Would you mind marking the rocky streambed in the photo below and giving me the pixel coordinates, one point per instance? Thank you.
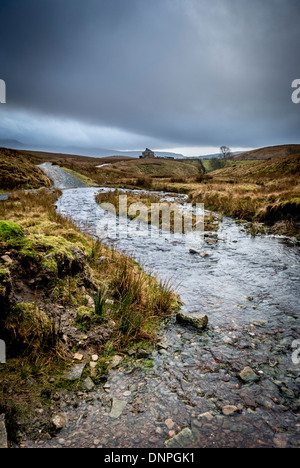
(233, 385)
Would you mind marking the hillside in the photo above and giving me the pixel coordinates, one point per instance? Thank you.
(262, 170)
(270, 152)
(17, 172)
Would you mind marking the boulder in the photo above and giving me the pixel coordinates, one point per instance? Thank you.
(199, 321)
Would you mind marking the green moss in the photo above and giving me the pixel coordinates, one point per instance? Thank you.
(53, 254)
(9, 230)
(149, 364)
(27, 253)
(84, 314)
(109, 349)
(49, 264)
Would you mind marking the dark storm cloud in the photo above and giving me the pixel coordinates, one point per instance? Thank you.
(179, 72)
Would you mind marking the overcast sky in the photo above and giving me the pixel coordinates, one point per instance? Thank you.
(167, 74)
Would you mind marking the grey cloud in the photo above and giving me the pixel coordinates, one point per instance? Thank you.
(183, 72)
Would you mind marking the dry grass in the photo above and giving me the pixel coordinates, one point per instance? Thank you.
(17, 172)
(267, 191)
(141, 301)
(271, 152)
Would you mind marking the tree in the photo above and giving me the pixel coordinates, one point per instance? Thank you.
(225, 152)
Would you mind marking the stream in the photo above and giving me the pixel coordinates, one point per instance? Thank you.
(249, 288)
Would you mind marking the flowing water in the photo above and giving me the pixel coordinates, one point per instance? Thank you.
(249, 288)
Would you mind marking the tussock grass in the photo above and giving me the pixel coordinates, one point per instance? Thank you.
(141, 300)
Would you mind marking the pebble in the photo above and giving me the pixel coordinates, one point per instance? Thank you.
(229, 410)
(280, 441)
(169, 423)
(117, 408)
(78, 357)
(207, 416)
(248, 375)
(116, 360)
(59, 421)
(88, 385)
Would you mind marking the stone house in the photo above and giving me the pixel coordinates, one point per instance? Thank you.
(148, 154)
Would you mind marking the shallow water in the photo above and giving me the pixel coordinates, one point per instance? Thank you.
(249, 288)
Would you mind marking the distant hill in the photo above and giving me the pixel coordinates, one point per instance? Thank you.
(11, 144)
(90, 152)
(270, 152)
